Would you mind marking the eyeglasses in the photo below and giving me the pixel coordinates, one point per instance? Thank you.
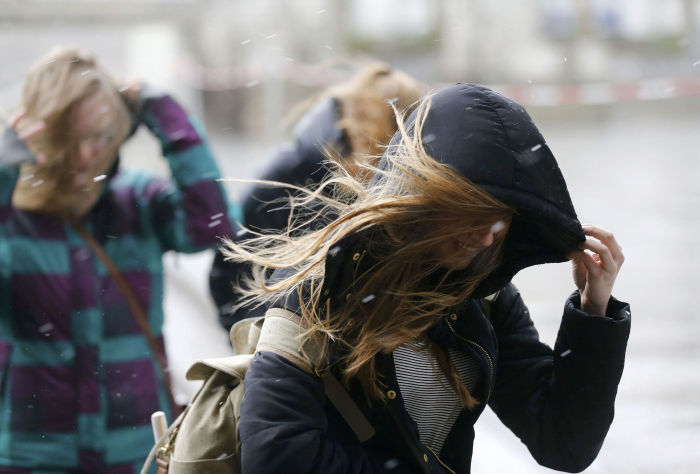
(99, 137)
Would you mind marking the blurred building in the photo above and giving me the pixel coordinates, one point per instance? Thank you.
(242, 64)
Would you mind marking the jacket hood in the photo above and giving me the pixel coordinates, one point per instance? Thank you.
(494, 143)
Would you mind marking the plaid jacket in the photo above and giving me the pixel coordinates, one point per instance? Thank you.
(77, 381)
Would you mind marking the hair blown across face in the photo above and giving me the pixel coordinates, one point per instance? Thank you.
(56, 86)
(413, 204)
(366, 105)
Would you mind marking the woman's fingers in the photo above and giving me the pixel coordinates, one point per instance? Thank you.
(31, 131)
(28, 132)
(131, 91)
(588, 261)
(579, 273)
(602, 266)
(606, 258)
(16, 116)
(608, 239)
(40, 158)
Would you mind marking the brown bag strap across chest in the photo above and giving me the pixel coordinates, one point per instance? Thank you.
(134, 305)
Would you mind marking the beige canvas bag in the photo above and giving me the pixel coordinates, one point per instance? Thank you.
(205, 439)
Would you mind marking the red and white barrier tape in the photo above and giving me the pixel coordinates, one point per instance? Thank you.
(235, 77)
(601, 92)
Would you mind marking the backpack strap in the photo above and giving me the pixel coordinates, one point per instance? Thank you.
(281, 334)
(346, 406)
(487, 301)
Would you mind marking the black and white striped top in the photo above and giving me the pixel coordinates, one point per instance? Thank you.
(429, 400)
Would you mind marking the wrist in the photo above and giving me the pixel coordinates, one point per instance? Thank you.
(593, 309)
(147, 93)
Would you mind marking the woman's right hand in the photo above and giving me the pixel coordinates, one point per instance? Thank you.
(28, 133)
(130, 92)
(595, 272)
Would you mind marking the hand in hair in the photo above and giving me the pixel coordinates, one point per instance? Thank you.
(130, 93)
(595, 273)
(29, 132)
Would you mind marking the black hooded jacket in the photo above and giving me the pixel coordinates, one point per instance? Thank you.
(558, 401)
(299, 163)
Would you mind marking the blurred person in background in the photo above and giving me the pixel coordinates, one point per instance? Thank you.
(343, 126)
(407, 296)
(79, 378)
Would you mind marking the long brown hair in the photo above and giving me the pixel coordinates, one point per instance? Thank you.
(413, 204)
(366, 112)
(54, 88)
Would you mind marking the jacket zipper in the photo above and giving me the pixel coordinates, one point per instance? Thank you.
(396, 418)
(488, 397)
(440, 461)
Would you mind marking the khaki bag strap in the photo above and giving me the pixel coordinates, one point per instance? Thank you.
(487, 301)
(280, 335)
(486, 306)
(133, 303)
(343, 402)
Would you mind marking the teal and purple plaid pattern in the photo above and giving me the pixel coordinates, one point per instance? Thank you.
(77, 381)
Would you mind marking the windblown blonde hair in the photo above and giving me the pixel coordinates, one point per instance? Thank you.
(367, 103)
(54, 88)
(414, 204)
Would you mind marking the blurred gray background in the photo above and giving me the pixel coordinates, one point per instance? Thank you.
(614, 86)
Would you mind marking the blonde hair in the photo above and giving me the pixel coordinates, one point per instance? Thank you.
(367, 103)
(414, 204)
(54, 89)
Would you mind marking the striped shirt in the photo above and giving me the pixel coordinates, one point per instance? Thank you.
(428, 397)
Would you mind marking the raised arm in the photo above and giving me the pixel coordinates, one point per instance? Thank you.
(560, 402)
(190, 212)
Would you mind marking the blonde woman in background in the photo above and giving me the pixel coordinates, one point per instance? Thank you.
(343, 126)
(79, 380)
(408, 294)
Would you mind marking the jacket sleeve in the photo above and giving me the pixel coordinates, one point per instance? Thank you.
(559, 402)
(8, 180)
(190, 212)
(283, 426)
(221, 279)
(12, 153)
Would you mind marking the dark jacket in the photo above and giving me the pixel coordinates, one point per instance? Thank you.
(299, 163)
(558, 402)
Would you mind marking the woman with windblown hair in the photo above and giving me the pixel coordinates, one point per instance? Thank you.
(341, 126)
(408, 293)
(80, 379)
